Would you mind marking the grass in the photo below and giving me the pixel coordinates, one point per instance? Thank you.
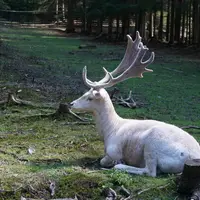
(47, 67)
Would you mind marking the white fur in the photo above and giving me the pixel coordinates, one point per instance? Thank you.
(145, 146)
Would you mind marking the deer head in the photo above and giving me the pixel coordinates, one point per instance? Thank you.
(132, 65)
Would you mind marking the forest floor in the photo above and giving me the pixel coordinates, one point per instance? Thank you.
(49, 157)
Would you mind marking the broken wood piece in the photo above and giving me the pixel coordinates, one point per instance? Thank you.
(190, 178)
(110, 194)
(195, 195)
(128, 102)
(124, 191)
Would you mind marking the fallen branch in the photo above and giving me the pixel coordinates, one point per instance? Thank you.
(128, 102)
(79, 123)
(13, 155)
(126, 193)
(12, 99)
(63, 109)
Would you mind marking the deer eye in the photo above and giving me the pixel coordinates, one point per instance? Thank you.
(90, 99)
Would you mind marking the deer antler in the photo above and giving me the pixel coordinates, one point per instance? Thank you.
(132, 65)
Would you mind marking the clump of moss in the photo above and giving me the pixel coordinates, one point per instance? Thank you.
(84, 186)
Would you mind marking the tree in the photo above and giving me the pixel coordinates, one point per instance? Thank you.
(70, 19)
(195, 22)
(178, 7)
(3, 5)
(172, 22)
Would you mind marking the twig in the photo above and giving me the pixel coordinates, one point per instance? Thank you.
(75, 115)
(147, 189)
(190, 126)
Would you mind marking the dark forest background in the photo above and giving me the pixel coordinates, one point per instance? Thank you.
(170, 21)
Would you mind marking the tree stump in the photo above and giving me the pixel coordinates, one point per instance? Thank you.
(190, 178)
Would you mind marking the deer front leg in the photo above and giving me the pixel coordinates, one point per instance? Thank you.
(113, 156)
(106, 161)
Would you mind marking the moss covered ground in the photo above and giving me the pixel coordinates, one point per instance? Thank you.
(45, 66)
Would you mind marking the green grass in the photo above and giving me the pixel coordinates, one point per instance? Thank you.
(69, 155)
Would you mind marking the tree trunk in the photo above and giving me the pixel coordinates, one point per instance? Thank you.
(187, 25)
(110, 23)
(89, 26)
(84, 27)
(125, 26)
(150, 28)
(57, 10)
(189, 21)
(99, 26)
(183, 27)
(199, 28)
(195, 22)
(154, 27)
(63, 10)
(117, 27)
(172, 22)
(142, 21)
(136, 23)
(168, 21)
(160, 32)
(178, 21)
(70, 20)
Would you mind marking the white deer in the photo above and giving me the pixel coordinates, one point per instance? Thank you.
(135, 146)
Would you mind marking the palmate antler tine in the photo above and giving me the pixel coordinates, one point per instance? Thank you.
(132, 65)
(131, 52)
(87, 82)
(91, 84)
(137, 68)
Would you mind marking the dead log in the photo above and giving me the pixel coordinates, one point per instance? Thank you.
(190, 178)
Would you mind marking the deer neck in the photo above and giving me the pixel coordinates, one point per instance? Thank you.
(106, 118)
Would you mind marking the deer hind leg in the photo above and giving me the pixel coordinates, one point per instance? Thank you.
(149, 169)
(150, 159)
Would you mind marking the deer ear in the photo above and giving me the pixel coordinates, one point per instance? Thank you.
(96, 94)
